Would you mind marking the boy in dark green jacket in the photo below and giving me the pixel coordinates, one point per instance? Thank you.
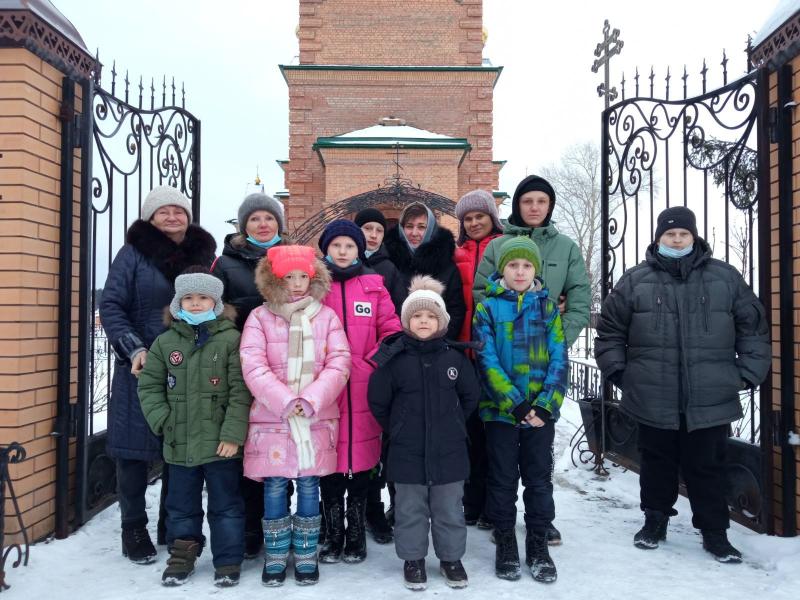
(192, 393)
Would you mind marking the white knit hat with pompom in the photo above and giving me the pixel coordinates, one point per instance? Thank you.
(425, 293)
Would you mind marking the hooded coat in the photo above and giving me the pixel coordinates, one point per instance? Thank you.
(236, 268)
(193, 393)
(140, 284)
(685, 344)
(434, 258)
(563, 267)
(422, 394)
(381, 263)
(270, 450)
(365, 308)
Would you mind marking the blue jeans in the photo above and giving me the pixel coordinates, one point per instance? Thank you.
(275, 497)
(225, 508)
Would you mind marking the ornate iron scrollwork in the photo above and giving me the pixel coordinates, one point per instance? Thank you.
(11, 454)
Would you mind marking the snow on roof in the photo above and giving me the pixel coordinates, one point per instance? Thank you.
(782, 13)
(403, 132)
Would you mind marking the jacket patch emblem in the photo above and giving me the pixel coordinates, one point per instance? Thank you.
(175, 358)
(171, 380)
(362, 309)
(214, 381)
(452, 373)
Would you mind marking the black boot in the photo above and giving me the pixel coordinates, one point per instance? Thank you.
(414, 574)
(323, 529)
(553, 535)
(506, 561)
(716, 542)
(537, 556)
(253, 541)
(355, 548)
(653, 531)
(137, 545)
(377, 524)
(454, 574)
(334, 542)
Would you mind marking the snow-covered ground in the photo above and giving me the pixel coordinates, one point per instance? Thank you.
(597, 560)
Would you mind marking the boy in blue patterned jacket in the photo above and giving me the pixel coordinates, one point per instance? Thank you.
(524, 370)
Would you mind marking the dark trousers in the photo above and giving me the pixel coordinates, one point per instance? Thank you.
(515, 452)
(475, 486)
(132, 478)
(333, 487)
(699, 457)
(225, 508)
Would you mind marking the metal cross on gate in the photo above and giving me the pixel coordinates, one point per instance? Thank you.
(612, 45)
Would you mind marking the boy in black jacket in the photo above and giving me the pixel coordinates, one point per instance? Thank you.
(421, 394)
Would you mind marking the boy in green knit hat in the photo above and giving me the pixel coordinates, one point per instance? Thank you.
(192, 392)
(524, 370)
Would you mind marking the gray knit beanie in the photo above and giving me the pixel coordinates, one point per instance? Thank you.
(479, 200)
(259, 201)
(425, 293)
(164, 195)
(197, 283)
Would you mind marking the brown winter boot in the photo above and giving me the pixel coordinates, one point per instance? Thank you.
(180, 564)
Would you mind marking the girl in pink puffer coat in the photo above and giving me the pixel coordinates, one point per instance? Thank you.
(295, 360)
(362, 302)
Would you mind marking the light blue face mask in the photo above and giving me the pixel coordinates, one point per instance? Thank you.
(268, 244)
(196, 318)
(329, 258)
(674, 252)
(369, 253)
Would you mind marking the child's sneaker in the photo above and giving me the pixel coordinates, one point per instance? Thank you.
(415, 577)
(180, 564)
(453, 572)
(227, 576)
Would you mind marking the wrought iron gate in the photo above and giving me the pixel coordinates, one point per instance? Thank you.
(131, 143)
(704, 152)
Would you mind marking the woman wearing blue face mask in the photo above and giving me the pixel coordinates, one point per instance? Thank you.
(681, 334)
(261, 226)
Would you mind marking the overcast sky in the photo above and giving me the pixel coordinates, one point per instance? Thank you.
(227, 54)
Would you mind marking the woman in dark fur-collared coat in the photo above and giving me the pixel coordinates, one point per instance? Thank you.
(418, 246)
(158, 247)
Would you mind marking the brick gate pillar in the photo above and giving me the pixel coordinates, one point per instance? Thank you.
(38, 48)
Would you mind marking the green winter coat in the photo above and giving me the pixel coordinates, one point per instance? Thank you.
(195, 396)
(563, 272)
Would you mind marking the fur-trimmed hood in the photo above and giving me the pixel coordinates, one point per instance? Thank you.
(274, 291)
(430, 258)
(197, 248)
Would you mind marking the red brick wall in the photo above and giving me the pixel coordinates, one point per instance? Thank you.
(388, 32)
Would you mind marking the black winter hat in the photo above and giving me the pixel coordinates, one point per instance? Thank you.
(343, 227)
(370, 215)
(676, 217)
(532, 183)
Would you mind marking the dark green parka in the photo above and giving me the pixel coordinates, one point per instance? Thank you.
(683, 342)
(192, 391)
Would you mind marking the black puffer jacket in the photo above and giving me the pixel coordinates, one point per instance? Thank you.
(421, 394)
(383, 266)
(434, 258)
(682, 337)
(236, 268)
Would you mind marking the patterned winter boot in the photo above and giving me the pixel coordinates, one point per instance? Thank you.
(305, 535)
(277, 539)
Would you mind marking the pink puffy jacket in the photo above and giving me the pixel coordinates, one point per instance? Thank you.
(269, 450)
(365, 307)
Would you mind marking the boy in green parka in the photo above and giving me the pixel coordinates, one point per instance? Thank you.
(192, 392)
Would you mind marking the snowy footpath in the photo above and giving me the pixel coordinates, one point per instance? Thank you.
(597, 519)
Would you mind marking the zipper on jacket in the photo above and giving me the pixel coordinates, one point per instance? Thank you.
(349, 403)
(704, 308)
(659, 302)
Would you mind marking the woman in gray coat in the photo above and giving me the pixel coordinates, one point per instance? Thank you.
(681, 334)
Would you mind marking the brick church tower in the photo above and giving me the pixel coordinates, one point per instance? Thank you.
(387, 91)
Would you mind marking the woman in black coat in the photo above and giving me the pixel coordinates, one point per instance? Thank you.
(418, 246)
(158, 247)
(261, 226)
